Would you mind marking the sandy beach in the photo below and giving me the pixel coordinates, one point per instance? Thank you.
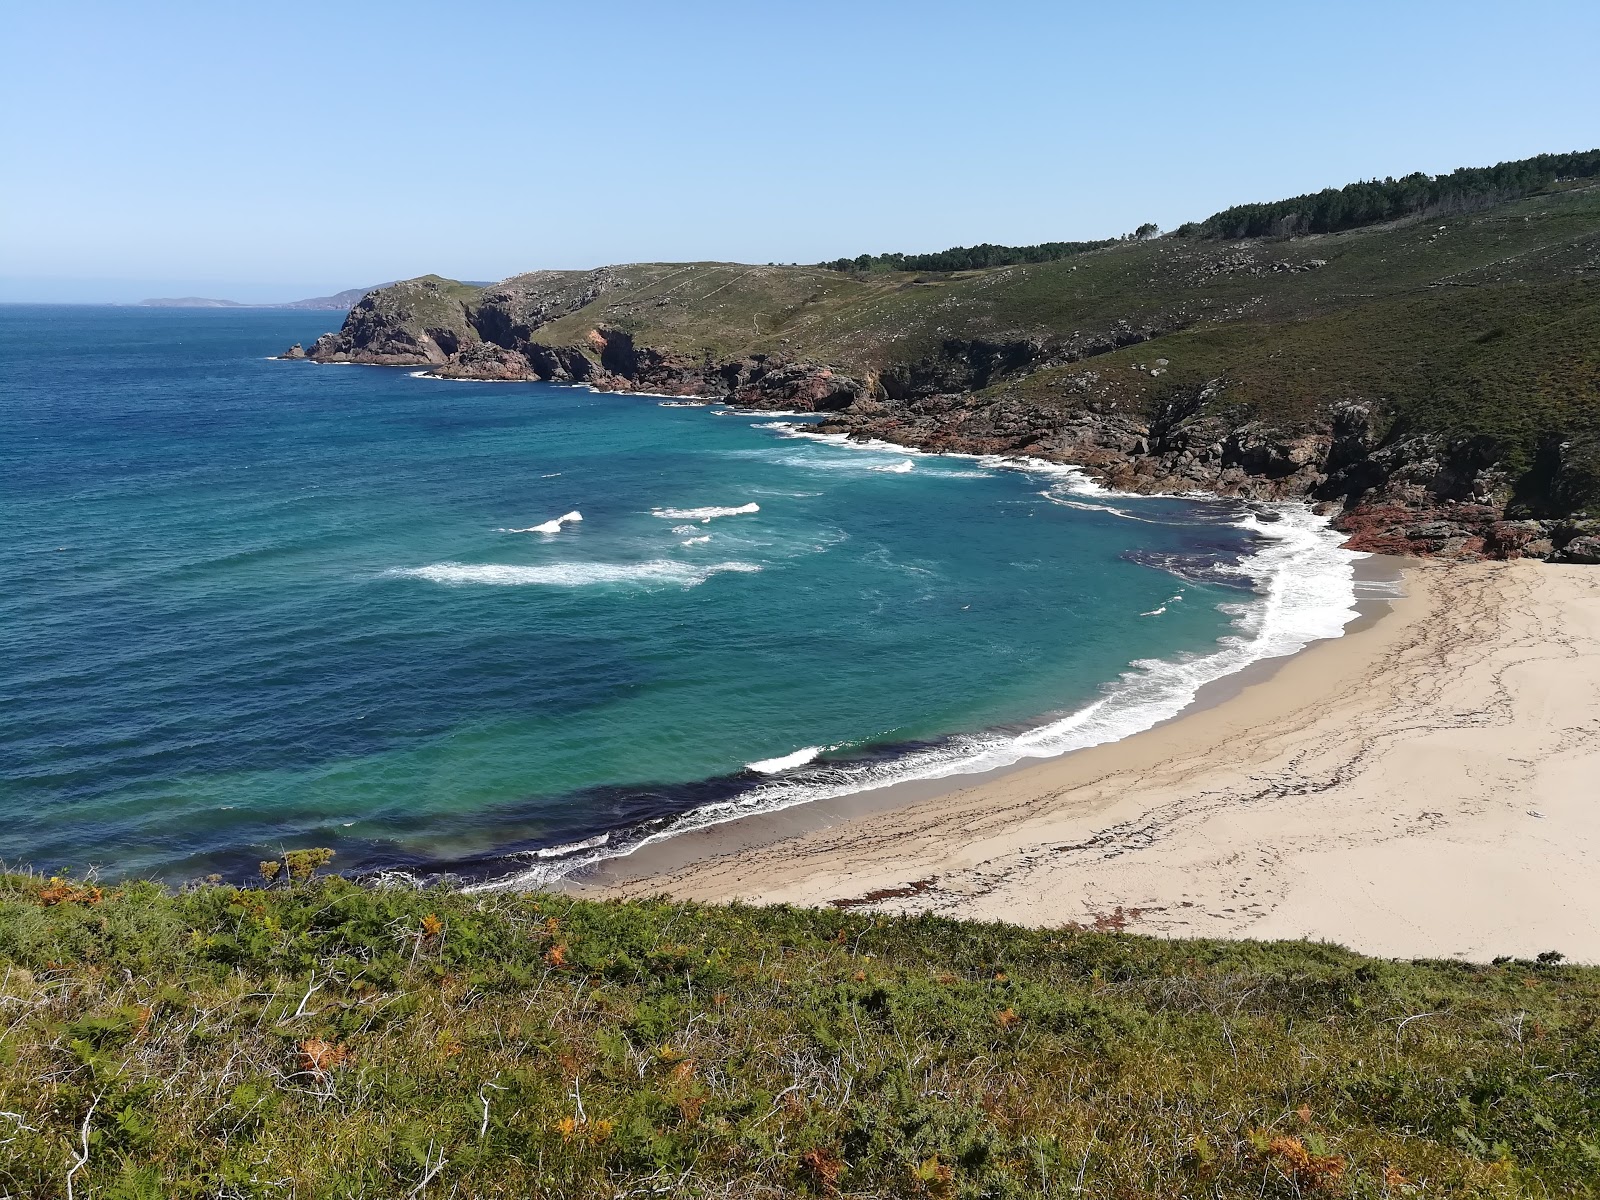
(1425, 786)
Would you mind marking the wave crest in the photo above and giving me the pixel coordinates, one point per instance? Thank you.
(784, 762)
(656, 572)
(551, 526)
(703, 515)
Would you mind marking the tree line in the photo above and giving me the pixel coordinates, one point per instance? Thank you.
(976, 258)
(1373, 201)
(1368, 202)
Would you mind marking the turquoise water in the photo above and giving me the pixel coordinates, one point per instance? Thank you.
(250, 604)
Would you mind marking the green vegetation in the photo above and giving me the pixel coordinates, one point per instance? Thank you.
(317, 1038)
(1373, 201)
(867, 321)
(1332, 210)
(975, 258)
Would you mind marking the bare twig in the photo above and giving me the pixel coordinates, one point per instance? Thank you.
(483, 1129)
(83, 1141)
(22, 1127)
(301, 1011)
(1404, 1021)
(432, 1171)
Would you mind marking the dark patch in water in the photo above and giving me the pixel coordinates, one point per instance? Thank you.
(629, 813)
(1197, 566)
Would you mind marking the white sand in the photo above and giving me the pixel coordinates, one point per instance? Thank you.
(1429, 786)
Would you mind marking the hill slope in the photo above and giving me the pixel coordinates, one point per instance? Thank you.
(330, 1040)
(1439, 381)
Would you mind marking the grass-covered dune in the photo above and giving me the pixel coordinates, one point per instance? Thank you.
(319, 1038)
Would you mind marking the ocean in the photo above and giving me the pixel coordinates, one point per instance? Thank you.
(497, 631)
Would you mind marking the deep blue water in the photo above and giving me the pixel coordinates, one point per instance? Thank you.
(248, 604)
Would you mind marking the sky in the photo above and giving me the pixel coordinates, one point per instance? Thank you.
(275, 151)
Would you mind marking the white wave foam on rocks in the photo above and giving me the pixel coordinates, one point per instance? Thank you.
(1068, 477)
(429, 374)
(572, 574)
(784, 762)
(1304, 586)
(703, 515)
(553, 526)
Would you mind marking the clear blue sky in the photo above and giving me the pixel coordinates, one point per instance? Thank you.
(271, 151)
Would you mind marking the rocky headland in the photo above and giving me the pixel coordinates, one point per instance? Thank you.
(1434, 388)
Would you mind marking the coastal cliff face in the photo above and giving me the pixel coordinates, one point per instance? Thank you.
(1416, 495)
(1436, 389)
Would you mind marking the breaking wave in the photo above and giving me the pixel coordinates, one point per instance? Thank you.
(571, 574)
(785, 762)
(551, 526)
(703, 515)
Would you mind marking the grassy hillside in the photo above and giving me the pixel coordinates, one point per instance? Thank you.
(866, 321)
(322, 1039)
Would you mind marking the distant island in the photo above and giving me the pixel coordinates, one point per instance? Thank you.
(1415, 355)
(339, 301)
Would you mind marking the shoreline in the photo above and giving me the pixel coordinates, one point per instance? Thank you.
(1409, 789)
(758, 830)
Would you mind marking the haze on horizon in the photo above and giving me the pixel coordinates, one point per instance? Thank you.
(272, 154)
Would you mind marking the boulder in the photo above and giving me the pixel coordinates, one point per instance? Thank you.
(484, 360)
(1582, 549)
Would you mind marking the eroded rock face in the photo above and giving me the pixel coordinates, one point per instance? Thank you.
(804, 387)
(294, 351)
(416, 323)
(484, 360)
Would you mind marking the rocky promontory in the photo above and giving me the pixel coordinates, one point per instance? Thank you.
(459, 332)
(1433, 390)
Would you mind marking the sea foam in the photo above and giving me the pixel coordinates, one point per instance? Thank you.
(572, 574)
(551, 526)
(771, 766)
(703, 515)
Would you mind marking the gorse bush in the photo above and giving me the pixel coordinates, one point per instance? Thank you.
(319, 1038)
